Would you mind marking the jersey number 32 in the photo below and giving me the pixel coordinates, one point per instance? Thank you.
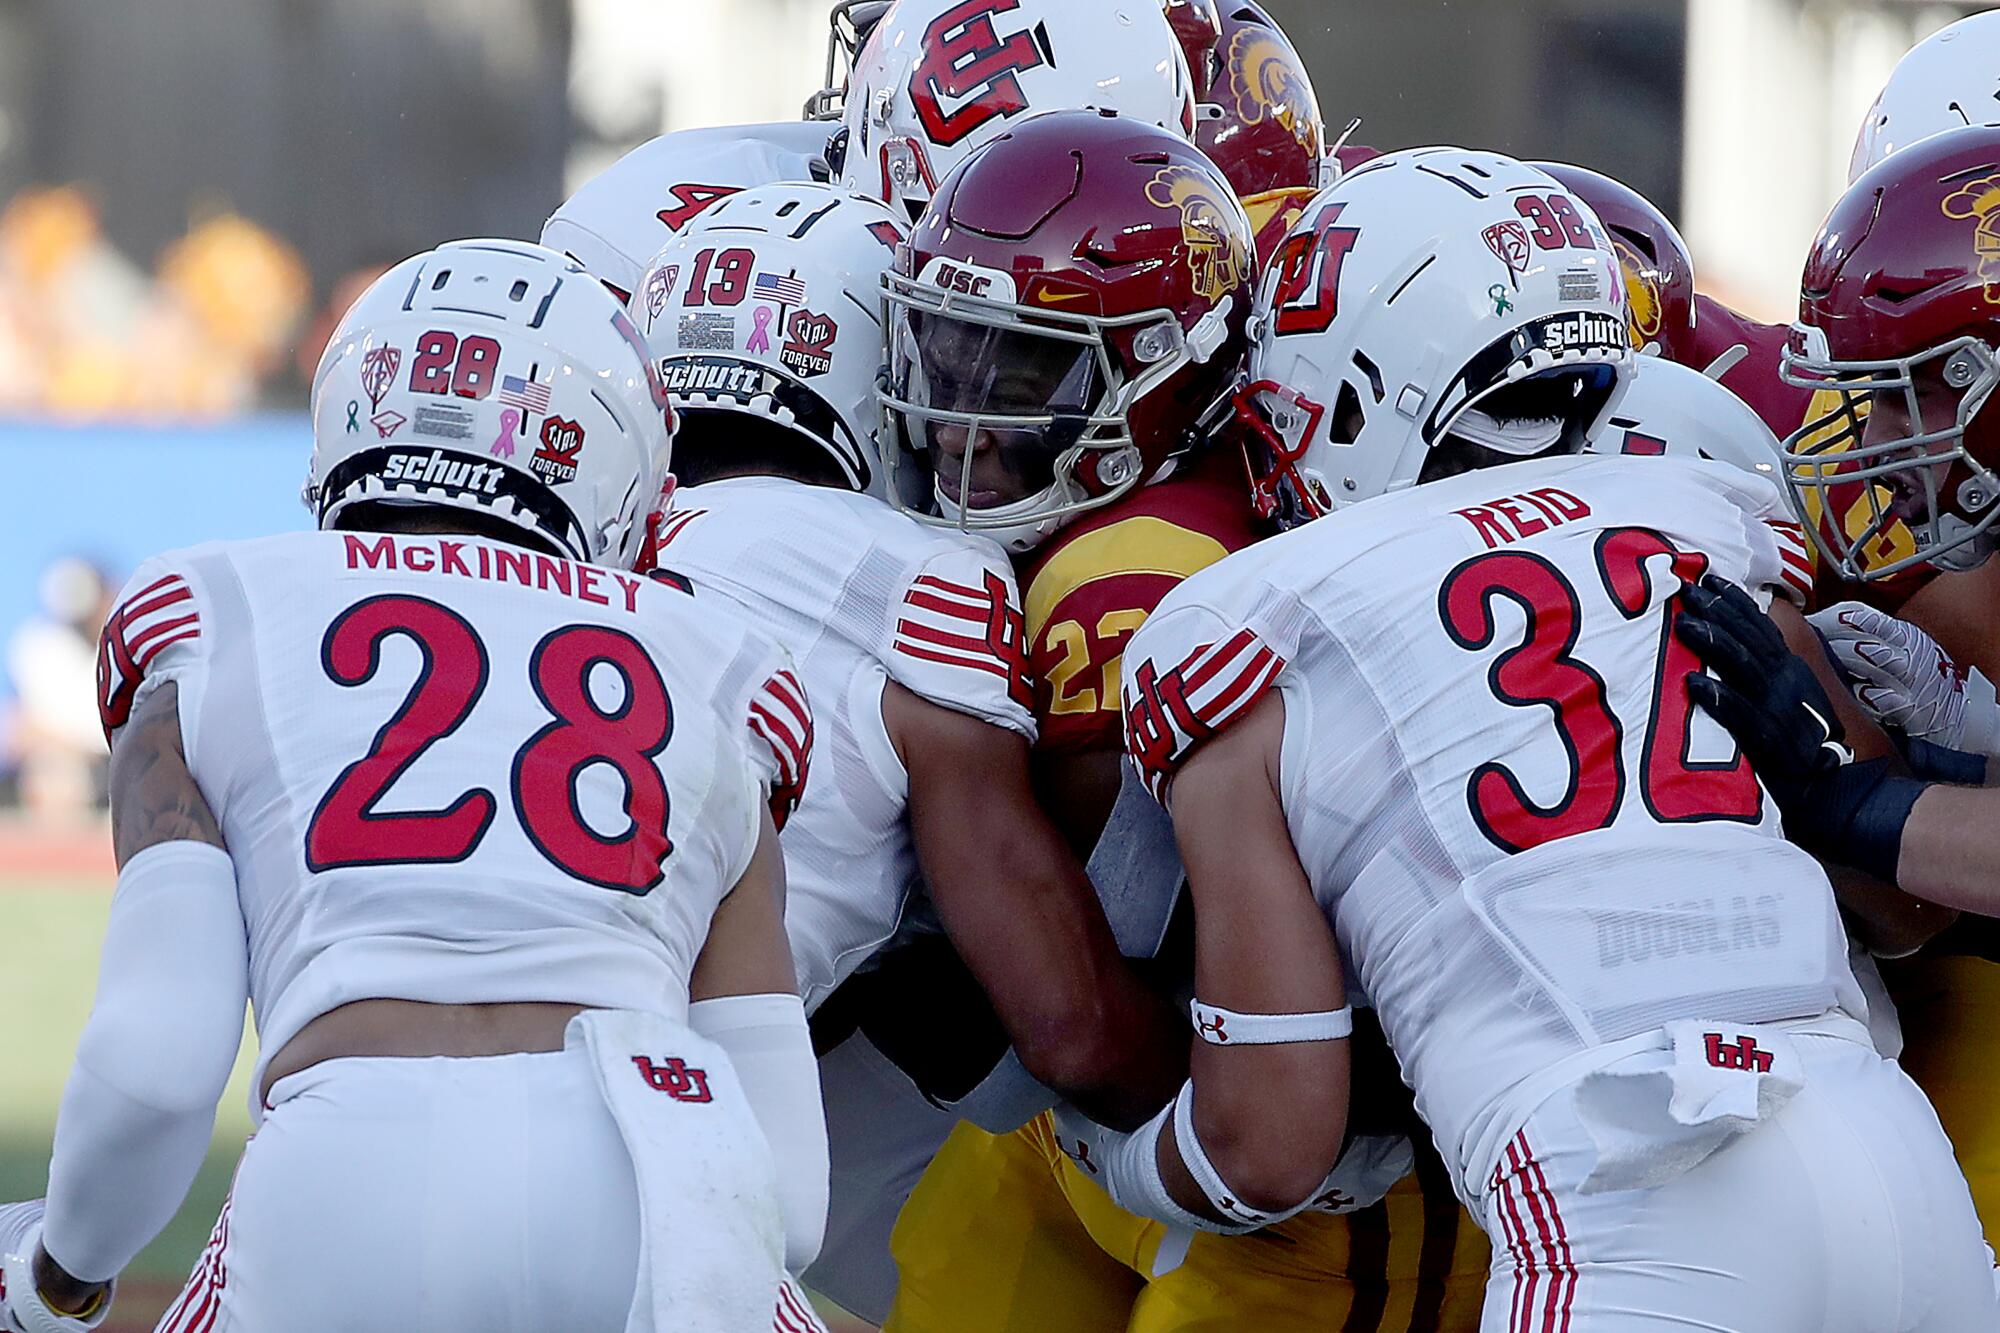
(348, 830)
(1541, 671)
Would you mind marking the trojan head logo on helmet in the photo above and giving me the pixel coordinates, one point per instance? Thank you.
(495, 377)
(938, 79)
(1264, 129)
(1659, 272)
(1949, 80)
(768, 310)
(1899, 315)
(1434, 310)
(1068, 309)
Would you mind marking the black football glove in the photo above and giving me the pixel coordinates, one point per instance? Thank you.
(1769, 699)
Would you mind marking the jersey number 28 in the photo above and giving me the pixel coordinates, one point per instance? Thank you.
(1541, 671)
(348, 830)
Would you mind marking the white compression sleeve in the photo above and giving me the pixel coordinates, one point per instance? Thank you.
(771, 1051)
(153, 1061)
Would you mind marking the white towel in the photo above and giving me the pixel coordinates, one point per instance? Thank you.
(711, 1239)
(1656, 1116)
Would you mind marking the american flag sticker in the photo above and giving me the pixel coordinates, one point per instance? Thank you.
(783, 291)
(524, 394)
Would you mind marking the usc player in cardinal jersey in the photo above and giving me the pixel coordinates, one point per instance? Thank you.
(1049, 388)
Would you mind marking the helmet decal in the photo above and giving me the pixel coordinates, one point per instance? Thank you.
(1645, 304)
(1216, 255)
(1509, 243)
(378, 371)
(967, 64)
(1980, 200)
(1265, 83)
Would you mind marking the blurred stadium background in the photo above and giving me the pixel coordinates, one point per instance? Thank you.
(192, 190)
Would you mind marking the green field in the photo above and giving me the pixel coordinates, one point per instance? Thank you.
(52, 928)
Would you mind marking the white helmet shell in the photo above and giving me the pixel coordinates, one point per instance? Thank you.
(624, 214)
(1677, 411)
(1407, 292)
(771, 305)
(1948, 80)
(938, 79)
(494, 376)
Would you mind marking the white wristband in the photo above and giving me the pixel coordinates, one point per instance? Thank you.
(1980, 731)
(1226, 1027)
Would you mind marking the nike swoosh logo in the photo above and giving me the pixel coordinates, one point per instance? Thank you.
(1050, 298)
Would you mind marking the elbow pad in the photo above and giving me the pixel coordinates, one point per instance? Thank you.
(155, 1055)
(766, 1039)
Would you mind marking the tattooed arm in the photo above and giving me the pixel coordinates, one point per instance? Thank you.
(153, 796)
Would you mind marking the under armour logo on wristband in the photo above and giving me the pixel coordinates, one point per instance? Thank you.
(673, 1077)
(1211, 1029)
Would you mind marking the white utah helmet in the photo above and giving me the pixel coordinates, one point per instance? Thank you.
(1675, 410)
(625, 213)
(937, 79)
(1431, 293)
(770, 306)
(1948, 80)
(498, 377)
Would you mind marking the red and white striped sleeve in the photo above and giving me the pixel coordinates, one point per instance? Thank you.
(1796, 558)
(781, 718)
(1187, 676)
(959, 639)
(153, 635)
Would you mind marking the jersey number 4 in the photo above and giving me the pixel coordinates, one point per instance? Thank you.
(348, 830)
(1540, 671)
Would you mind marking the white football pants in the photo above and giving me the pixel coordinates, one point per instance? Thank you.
(449, 1195)
(1843, 1213)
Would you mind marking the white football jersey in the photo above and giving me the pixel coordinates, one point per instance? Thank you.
(1529, 841)
(622, 216)
(456, 771)
(860, 595)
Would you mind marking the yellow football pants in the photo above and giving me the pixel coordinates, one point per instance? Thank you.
(1950, 1010)
(1007, 1235)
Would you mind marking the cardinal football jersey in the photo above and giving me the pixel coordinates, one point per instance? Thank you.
(1530, 843)
(615, 224)
(861, 595)
(456, 771)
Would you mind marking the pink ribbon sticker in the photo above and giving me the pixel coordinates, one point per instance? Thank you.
(503, 444)
(760, 337)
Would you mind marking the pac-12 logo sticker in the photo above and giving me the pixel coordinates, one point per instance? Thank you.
(378, 371)
(808, 349)
(555, 458)
(1509, 243)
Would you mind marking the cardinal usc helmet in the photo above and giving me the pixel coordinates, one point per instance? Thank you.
(495, 377)
(1949, 80)
(1433, 309)
(1899, 312)
(937, 79)
(766, 315)
(1270, 134)
(1067, 311)
(1198, 27)
(1659, 272)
